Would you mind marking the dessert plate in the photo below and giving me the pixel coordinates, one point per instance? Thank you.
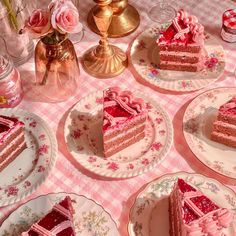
(83, 135)
(149, 215)
(197, 126)
(30, 169)
(144, 58)
(90, 218)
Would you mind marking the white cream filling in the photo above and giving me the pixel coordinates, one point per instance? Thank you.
(122, 126)
(6, 149)
(121, 144)
(125, 133)
(181, 54)
(12, 154)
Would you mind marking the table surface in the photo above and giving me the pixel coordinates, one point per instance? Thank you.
(117, 196)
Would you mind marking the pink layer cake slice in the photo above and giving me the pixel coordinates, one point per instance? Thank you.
(12, 140)
(194, 214)
(224, 128)
(181, 45)
(124, 120)
(58, 222)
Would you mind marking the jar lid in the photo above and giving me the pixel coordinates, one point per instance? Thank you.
(229, 19)
(6, 66)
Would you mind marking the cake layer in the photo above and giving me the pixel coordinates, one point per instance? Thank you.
(179, 67)
(58, 222)
(179, 48)
(177, 58)
(227, 118)
(109, 134)
(224, 128)
(123, 137)
(13, 155)
(124, 145)
(10, 138)
(224, 139)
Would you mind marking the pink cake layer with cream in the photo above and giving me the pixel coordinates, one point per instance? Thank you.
(12, 140)
(194, 214)
(124, 120)
(224, 128)
(58, 222)
(181, 46)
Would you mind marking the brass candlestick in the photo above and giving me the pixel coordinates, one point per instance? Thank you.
(104, 60)
(124, 21)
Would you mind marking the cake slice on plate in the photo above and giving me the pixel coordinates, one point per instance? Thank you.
(181, 45)
(58, 222)
(224, 128)
(192, 213)
(124, 120)
(12, 139)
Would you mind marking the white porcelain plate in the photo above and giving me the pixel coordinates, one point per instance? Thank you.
(83, 135)
(90, 218)
(30, 169)
(149, 215)
(145, 59)
(197, 126)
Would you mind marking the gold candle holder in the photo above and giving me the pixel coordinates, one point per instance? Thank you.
(124, 21)
(104, 60)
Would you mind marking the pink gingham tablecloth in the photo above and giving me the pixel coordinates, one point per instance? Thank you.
(117, 196)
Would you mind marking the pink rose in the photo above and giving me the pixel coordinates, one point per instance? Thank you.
(38, 24)
(65, 17)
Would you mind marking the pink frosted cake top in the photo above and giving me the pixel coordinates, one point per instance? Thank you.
(229, 108)
(120, 106)
(185, 29)
(200, 214)
(7, 125)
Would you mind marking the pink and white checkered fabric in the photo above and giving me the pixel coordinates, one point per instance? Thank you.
(117, 196)
(229, 19)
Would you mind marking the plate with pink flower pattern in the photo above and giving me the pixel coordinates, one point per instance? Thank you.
(90, 218)
(30, 169)
(197, 126)
(145, 59)
(150, 216)
(83, 135)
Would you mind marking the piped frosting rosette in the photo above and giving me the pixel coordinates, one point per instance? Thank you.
(126, 100)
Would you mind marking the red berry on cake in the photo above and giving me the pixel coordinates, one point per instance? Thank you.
(124, 120)
(224, 128)
(181, 45)
(193, 213)
(12, 140)
(59, 221)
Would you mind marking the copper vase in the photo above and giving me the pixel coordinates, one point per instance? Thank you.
(57, 70)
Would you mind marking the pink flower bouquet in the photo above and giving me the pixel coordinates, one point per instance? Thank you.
(61, 17)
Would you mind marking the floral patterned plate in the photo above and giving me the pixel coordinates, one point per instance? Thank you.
(83, 135)
(197, 126)
(90, 218)
(30, 169)
(149, 215)
(144, 57)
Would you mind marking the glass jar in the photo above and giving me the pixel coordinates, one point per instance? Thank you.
(10, 84)
(57, 70)
(12, 17)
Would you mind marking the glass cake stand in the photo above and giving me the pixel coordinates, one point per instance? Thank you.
(162, 12)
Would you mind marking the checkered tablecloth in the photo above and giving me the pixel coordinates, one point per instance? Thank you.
(117, 196)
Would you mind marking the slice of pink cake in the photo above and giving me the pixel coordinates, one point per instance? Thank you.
(58, 222)
(124, 120)
(181, 45)
(224, 128)
(12, 140)
(192, 213)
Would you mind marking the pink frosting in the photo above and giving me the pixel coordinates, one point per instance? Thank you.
(192, 26)
(125, 100)
(210, 223)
